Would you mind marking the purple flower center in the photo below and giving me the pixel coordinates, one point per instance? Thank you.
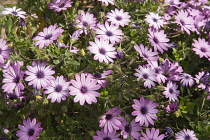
(14, 13)
(171, 90)
(107, 138)
(83, 89)
(97, 75)
(187, 77)
(157, 70)
(182, 22)
(203, 49)
(155, 40)
(40, 74)
(127, 128)
(102, 51)
(118, 18)
(154, 19)
(62, 5)
(58, 88)
(31, 132)
(16, 80)
(143, 110)
(12, 97)
(145, 76)
(108, 33)
(85, 23)
(187, 137)
(0, 50)
(108, 117)
(48, 36)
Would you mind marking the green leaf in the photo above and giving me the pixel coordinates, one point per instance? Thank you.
(9, 25)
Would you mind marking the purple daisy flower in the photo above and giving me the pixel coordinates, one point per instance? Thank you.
(13, 76)
(86, 21)
(201, 78)
(59, 5)
(106, 136)
(171, 92)
(118, 17)
(106, 2)
(84, 89)
(147, 74)
(39, 75)
(202, 48)
(145, 111)
(186, 80)
(48, 35)
(146, 53)
(152, 135)
(104, 52)
(130, 129)
(158, 40)
(100, 77)
(14, 12)
(58, 89)
(29, 130)
(110, 122)
(154, 20)
(109, 32)
(4, 50)
(186, 134)
(171, 107)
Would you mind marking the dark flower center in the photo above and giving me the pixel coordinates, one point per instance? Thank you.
(145, 76)
(31, 132)
(157, 71)
(127, 128)
(0, 51)
(118, 18)
(62, 5)
(107, 138)
(182, 22)
(203, 49)
(108, 117)
(48, 36)
(97, 75)
(108, 33)
(171, 90)
(154, 19)
(143, 110)
(16, 80)
(12, 97)
(83, 89)
(40, 74)
(85, 23)
(58, 88)
(187, 77)
(155, 40)
(187, 137)
(14, 13)
(102, 51)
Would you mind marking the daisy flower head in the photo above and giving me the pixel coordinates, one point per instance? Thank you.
(83, 88)
(145, 111)
(48, 35)
(106, 2)
(39, 75)
(4, 50)
(171, 107)
(104, 52)
(187, 80)
(14, 11)
(130, 129)
(154, 20)
(110, 122)
(201, 48)
(100, 77)
(109, 32)
(58, 89)
(171, 92)
(101, 135)
(158, 40)
(146, 53)
(186, 134)
(118, 17)
(147, 74)
(29, 130)
(152, 135)
(59, 5)
(86, 21)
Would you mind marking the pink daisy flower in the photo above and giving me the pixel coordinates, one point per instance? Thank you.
(171, 107)
(29, 130)
(59, 5)
(84, 89)
(104, 52)
(201, 48)
(106, 2)
(109, 32)
(186, 134)
(100, 77)
(110, 122)
(201, 77)
(58, 89)
(154, 20)
(118, 17)
(171, 92)
(147, 74)
(158, 40)
(145, 111)
(152, 135)
(186, 80)
(14, 12)
(48, 35)
(39, 75)
(4, 50)
(101, 135)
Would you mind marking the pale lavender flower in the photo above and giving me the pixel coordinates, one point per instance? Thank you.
(201, 79)
(186, 80)
(145, 111)
(186, 134)
(171, 107)
(58, 89)
(48, 35)
(201, 48)
(39, 75)
(171, 91)
(118, 17)
(101, 135)
(101, 77)
(4, 50)
(29, 130)
(83, 88)
(110, 122)
(154, 20)
(59, 5)
(109, 32)
(152, 135)
(76, 34)
(106, 2)
(14, 12)
(62, 45)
